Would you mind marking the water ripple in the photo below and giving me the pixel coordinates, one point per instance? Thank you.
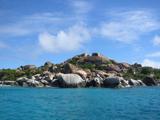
(79, 104)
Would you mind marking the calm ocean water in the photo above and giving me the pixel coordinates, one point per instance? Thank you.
(79, 104)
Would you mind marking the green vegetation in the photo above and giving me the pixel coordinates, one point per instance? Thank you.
(31, 72)
(88, 66)
(141, 72)
(7, 74)
(73, 61)
(109, 62)
(12, 74)
(91, 66)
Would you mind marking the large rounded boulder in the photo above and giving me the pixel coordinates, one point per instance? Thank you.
(149, 81)
(70, 80)
(111, 82)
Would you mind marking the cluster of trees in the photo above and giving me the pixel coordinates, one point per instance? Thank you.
(12, 74)
(141, 72)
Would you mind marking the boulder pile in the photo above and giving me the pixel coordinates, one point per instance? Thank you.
(83, 70)
(72, 80)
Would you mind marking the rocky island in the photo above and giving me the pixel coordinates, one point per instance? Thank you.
(83, 70)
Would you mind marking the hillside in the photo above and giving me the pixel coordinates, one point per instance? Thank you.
(87, 67)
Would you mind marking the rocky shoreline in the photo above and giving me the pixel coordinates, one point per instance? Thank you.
(82, 71)
(75, 81)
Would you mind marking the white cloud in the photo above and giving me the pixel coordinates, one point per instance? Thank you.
(129, 26)
(69, 40)
(155, 54)
(36, 23)
(156, 40)
(123, 26)
(151, 63)
(81, 6)
(43, 25)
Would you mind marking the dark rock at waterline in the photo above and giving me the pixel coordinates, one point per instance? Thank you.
(34, 83)
(25, 82)
(133, 82)
(149, 81)
(111, 82)
(96, 82)
(21, 81)
(55, 83)
(7, 82)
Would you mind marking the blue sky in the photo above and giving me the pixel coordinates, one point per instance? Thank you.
(36, 31)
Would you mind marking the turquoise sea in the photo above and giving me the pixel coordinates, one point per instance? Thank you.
(18, 103)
